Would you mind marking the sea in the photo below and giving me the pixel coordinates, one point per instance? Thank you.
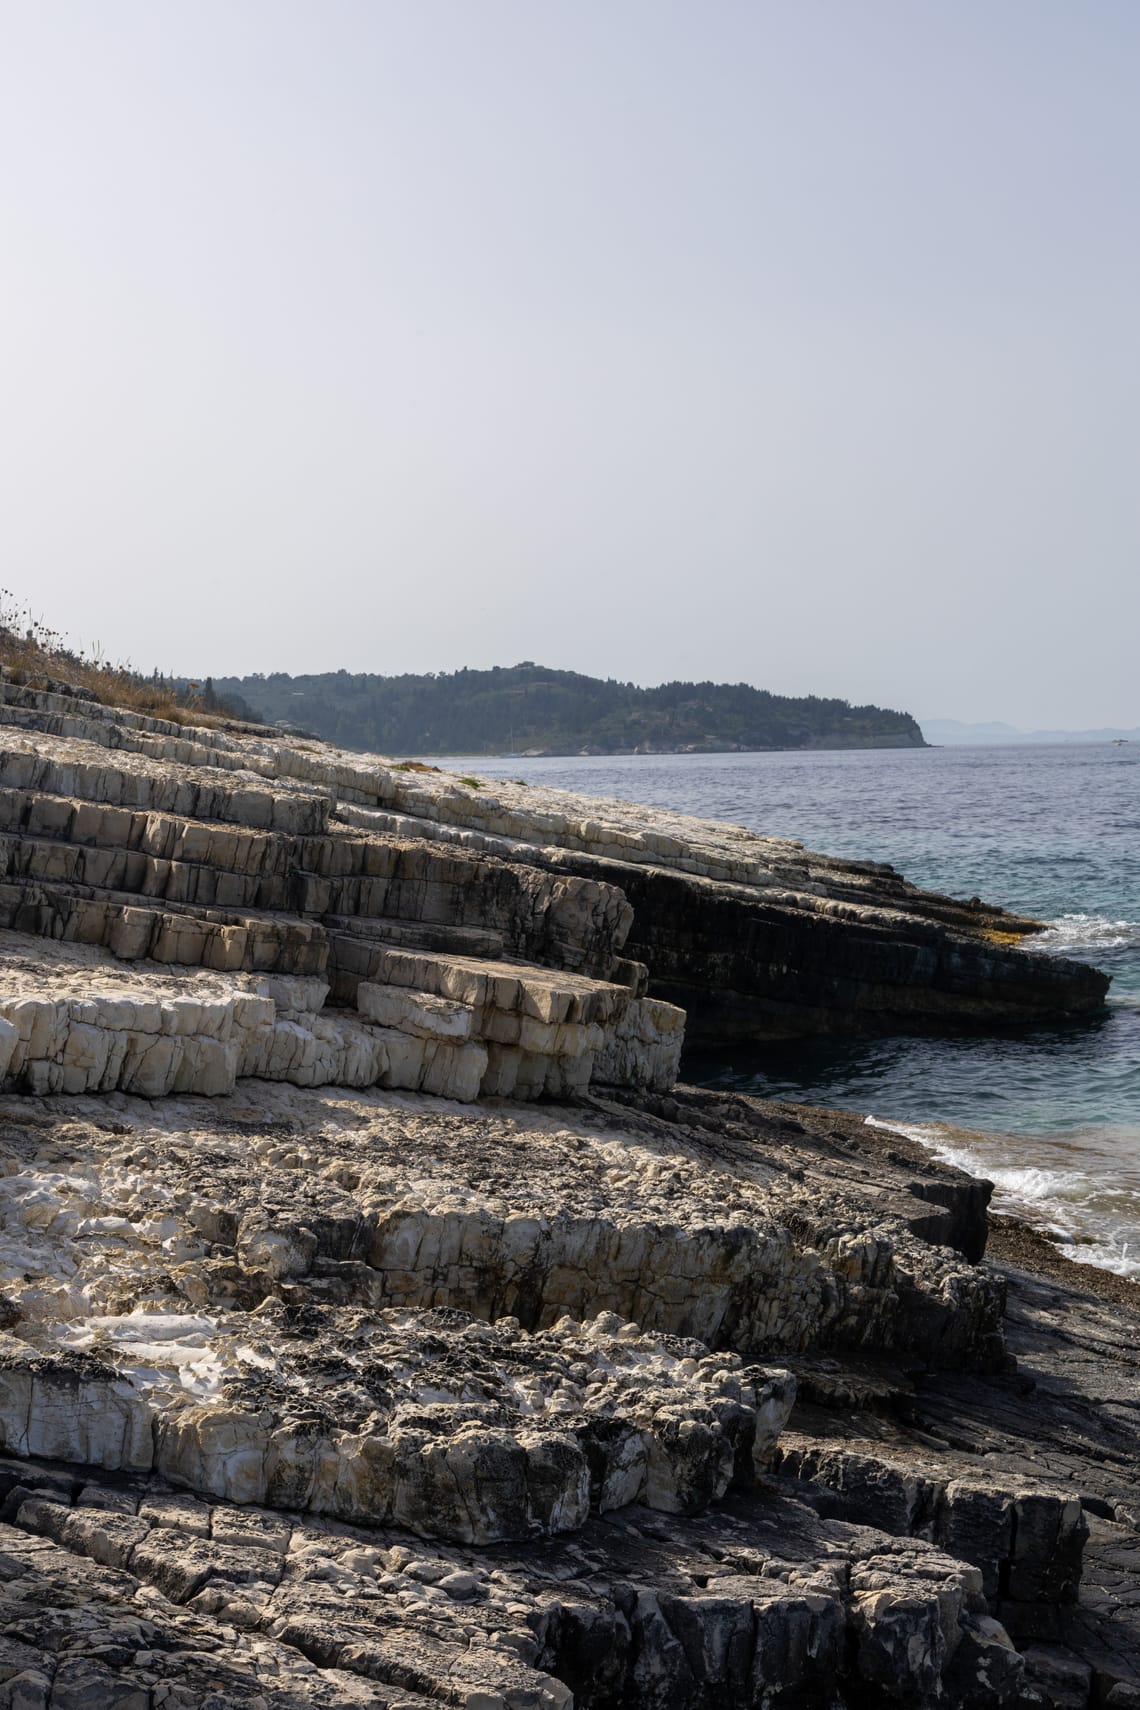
(1051, 1116)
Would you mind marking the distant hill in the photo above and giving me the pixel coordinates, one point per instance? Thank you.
(529, 709)
(952, 733)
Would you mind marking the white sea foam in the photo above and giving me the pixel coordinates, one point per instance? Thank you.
(1084, 932)
(1093, 1221)
(1108, 1255)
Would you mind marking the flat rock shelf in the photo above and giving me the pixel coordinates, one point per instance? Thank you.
(383, 1324)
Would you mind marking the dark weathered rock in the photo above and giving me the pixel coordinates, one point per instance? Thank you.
(845, 948)
(765, 1604)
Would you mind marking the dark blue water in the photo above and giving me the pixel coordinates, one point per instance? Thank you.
(1051, 832)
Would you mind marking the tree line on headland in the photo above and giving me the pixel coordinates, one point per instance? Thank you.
(529, 708)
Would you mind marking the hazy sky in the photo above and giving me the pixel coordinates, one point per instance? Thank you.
(795, 343)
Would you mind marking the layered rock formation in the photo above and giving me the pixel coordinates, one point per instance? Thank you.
(337, 1369)
(235, 849)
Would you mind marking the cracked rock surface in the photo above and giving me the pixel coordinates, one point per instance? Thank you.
(763, 1604)
(252, 1459)
(382, 1324)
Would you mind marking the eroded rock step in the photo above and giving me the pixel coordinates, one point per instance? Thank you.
(786, 874)
(361, 1199)
(763, 1604)
(178, 935)
(1028, 1539)
(77, 1634)
(82, 771)
(78, 1023)
(748, 967)
(72, 1020)
(186, 857)
(943, 1453)
(435, 1421)
(229, 746)
(307, 765)
(568, 1031)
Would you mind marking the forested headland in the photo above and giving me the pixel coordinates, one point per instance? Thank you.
(529, 708)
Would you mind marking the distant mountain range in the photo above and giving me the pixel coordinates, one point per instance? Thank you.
(531, 709)
(952, 733)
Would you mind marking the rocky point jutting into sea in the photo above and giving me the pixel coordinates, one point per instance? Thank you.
(383, 1324)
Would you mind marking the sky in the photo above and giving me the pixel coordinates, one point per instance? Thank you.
(789, 343)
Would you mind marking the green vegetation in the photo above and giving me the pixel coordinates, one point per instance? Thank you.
(527, 708)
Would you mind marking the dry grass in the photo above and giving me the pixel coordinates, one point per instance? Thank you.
(43, 658)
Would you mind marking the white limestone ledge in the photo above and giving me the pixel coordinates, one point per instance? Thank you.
(74, 1020)
(567, 1029)
(500, 817)
(60, 851)
(82, 770)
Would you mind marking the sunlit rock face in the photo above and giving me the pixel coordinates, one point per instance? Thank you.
(434, 1421)
(386, 1201)
(72, 1019)
(381, 1324)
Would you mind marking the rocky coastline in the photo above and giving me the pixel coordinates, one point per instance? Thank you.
(384, 1322)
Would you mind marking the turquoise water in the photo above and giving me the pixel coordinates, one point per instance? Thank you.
(1052, 1116)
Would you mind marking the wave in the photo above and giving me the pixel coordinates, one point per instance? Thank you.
(1029, 1183)
(1085, 932)
(1092, 1224)
(1110, 1254)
